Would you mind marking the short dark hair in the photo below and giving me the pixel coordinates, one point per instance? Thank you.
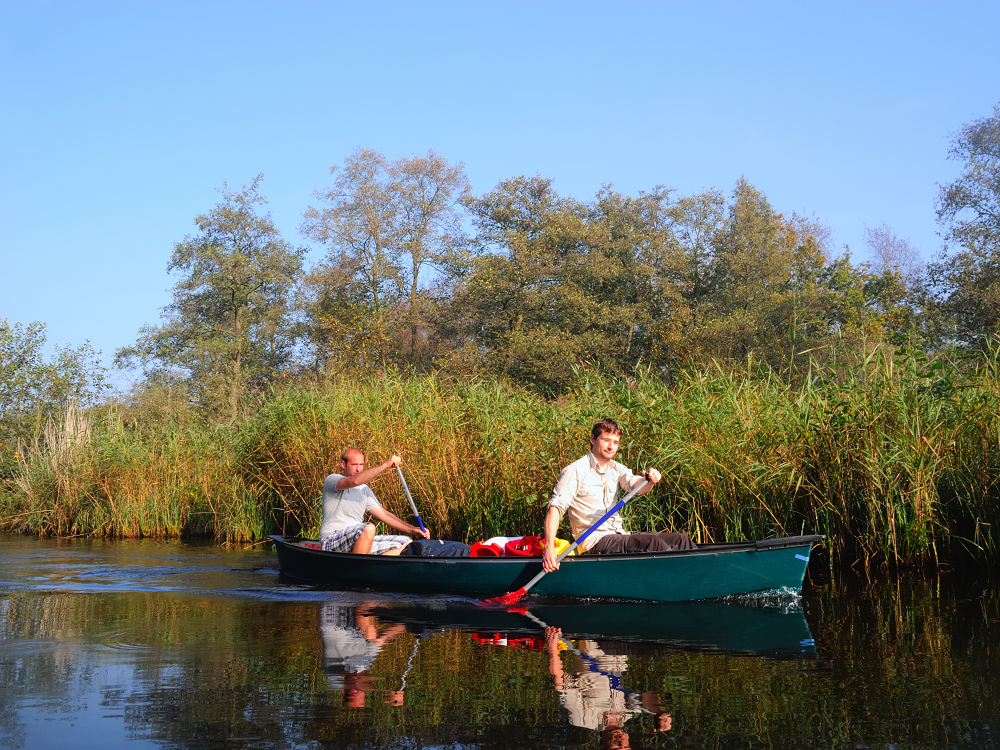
(605, 425)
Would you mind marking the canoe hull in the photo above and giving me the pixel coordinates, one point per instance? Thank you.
(710, 571)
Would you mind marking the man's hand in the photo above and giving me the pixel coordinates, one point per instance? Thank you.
(394, 461)
(552, 636)
(652, 475)
(415, 530)
(549, 561)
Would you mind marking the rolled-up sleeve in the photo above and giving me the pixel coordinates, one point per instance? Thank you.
(626, 478)
(565, 489)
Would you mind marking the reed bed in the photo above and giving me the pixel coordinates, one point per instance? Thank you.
(893, 459)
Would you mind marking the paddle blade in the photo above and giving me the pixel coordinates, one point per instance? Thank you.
(512, 598)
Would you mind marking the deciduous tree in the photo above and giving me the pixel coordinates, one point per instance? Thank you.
(965, 281)
(228, 327)
(386, 224)
(34, 387)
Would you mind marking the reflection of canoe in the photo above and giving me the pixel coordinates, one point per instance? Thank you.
(697, 626)
(711, 570)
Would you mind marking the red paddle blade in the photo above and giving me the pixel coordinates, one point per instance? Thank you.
(506, 599)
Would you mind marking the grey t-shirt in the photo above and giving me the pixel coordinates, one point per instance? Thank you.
(344, 645)
(343, 508)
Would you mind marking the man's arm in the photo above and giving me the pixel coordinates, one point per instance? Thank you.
(395, 522)
(549, 561)
(346, 483)
(552, 636)
(654, 477)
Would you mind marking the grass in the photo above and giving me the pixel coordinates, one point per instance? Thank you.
(894, 459)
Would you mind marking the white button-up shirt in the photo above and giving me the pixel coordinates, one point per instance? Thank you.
(588, 491)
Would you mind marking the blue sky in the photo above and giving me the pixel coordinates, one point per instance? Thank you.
(120, 120)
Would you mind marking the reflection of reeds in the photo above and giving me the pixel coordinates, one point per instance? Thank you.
(890, 462)
(905, 661)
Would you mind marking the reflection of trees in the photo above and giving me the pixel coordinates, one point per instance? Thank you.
(900, 665)
(904, 663)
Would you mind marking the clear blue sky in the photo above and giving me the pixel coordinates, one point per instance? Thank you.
(120, 120)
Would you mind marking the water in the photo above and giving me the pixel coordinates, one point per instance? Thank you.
(169, 644)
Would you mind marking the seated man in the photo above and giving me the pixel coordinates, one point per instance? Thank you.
(346, 499)
(588, 489)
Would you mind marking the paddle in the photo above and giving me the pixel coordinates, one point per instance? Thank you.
(410, 498)
(515, 596)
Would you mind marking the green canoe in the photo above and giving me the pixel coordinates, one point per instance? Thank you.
(707, 572)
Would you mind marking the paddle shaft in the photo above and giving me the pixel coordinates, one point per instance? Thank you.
(409, 497)
(618, 506)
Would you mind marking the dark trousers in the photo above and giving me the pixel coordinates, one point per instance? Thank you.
(655, 541)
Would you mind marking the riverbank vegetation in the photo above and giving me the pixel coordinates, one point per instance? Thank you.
(782, 388)
(892, 461)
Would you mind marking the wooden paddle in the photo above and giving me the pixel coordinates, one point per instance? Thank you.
(515, 596)
(410, 498)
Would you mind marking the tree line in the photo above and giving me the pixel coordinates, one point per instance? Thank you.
(528, 285)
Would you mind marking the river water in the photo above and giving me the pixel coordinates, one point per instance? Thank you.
(189, 645)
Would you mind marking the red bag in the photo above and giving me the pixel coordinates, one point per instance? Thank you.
(482, 549)
(526, 546)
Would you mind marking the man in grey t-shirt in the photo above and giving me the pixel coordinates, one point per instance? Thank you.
(346, 500)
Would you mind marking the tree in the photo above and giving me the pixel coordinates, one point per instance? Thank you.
(696, 222)
(965, 283)
(522, 302)
(432, 195)
(635, 271)
(385, 223)
(228, 327)
(753, 266)
(360, 223)
(970, 206)
(756, 283)
(34, 388)
(894, 254)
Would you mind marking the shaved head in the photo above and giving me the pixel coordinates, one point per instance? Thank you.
(346, 455)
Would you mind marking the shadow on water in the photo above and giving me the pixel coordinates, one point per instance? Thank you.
(127, 644)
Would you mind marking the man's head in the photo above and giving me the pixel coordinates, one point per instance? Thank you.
(662, 722)
(604, 438)
(614, 738)
(352, 462)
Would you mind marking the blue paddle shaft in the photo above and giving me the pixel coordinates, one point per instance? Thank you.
(409, 497)
(618, 506)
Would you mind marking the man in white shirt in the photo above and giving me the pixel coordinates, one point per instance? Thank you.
(588, 489)
(346, 499)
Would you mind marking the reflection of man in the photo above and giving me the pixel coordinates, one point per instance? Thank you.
(351, 642)
(592, 694)
(346, 500)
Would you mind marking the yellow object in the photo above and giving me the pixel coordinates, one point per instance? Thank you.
(560, 545)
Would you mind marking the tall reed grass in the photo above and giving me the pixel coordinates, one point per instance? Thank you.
(892, 458)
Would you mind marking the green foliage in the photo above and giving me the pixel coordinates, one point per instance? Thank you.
(228, 328)
(893, 458)
(386, 224)
(965, 282)
(621, 280)
(34, 389)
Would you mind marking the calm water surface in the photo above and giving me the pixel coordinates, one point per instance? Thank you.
(169, 644)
